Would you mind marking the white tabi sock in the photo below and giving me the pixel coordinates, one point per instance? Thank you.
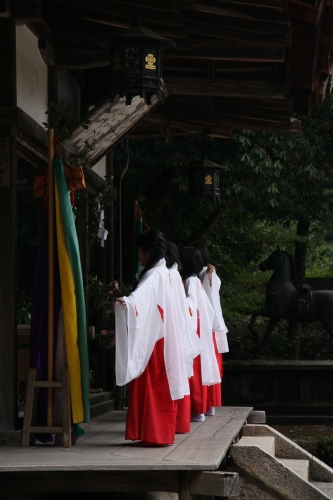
(197, 417)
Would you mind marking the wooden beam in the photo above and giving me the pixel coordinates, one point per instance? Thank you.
(166, 5)
(240, 12)
(251, 109)
(228, 50)
(112, 24)
(272, 4)
(326, 56)
(285, 105)
(121, 10)
(293, 126)
(90, 481)
(109, 124)
(235, 20)
(174, 113)
(241, 35)
(8, 241)
(226, 88)
(222, 484)
(304, 12)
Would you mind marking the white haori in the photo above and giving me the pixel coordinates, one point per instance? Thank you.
(192, 344)
(199, 304)
(219, 327)
(140, 326)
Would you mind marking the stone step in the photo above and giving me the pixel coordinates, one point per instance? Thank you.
(266, 443)
(300, 467)
(326, 488)
(100, 397)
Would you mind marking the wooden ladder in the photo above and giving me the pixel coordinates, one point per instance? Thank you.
(28, 427)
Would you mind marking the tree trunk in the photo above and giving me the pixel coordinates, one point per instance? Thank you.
(206, 226)
(294, 328)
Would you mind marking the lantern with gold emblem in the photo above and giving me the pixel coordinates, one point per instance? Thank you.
(204, 180)
(136, 63)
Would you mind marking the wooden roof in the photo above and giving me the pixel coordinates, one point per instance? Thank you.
(238, 64)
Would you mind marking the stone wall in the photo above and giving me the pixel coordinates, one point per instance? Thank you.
(289, 391)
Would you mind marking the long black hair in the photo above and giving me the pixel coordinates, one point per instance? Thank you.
(191, 262)
(154, 242)
(171, 254)
(204, 252)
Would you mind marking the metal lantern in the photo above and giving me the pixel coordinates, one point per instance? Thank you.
(136, 63)
(204, 179)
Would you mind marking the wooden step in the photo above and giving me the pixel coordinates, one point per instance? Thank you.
(266, 443)
(326, 488)
(300, 467)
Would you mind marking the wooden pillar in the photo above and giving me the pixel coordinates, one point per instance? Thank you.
(8, 225)
(109, 221)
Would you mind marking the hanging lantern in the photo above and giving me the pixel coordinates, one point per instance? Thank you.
(204, 180)
(136, 63)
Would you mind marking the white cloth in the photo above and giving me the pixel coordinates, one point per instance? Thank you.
(199, 305)
(192, 344)
(102, 232)
(140, 326)
(213, 294)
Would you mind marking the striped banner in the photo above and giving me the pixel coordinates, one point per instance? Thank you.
(73, 302)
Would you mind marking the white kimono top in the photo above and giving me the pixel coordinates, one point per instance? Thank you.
(199, 305)
(212, 291)
(150, 316)
(192, 344)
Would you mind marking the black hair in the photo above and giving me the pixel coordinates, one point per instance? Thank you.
(191, 261)
(204, 252)
(171, 254)
(154, 242)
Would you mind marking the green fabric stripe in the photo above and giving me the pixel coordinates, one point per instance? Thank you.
(74, 257)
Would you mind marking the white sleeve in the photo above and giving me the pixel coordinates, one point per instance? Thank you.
(219, 326)
(138, 328)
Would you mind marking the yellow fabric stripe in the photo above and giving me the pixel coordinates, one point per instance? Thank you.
(70, 319)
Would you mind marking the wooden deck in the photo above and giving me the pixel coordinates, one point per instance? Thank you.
(102, 449)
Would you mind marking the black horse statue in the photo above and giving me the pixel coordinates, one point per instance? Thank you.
(285, 299)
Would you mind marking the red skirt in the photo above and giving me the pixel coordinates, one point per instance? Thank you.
(214, 393)
(151, 415)
(183, 415)
(198, 391)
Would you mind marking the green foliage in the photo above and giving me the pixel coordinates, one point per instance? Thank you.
(63, 131)
(103, 297)
(325, 447)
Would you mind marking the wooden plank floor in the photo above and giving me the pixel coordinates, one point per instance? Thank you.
(103, 447)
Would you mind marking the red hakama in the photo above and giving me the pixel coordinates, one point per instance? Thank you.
(198, 392)
(183, 415)
(214, 393)
(151, 415)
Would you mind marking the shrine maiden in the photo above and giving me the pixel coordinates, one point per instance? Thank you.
(205, 368)
(211, 284)
(190, 340)
(149, 352)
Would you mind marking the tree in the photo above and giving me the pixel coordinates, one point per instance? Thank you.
(286, 177)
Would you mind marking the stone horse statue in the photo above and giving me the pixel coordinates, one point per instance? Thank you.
(285, 299)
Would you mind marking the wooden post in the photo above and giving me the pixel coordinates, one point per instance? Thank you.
(134, 237)
(109, 220)
(8, 224)
(50, 322)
